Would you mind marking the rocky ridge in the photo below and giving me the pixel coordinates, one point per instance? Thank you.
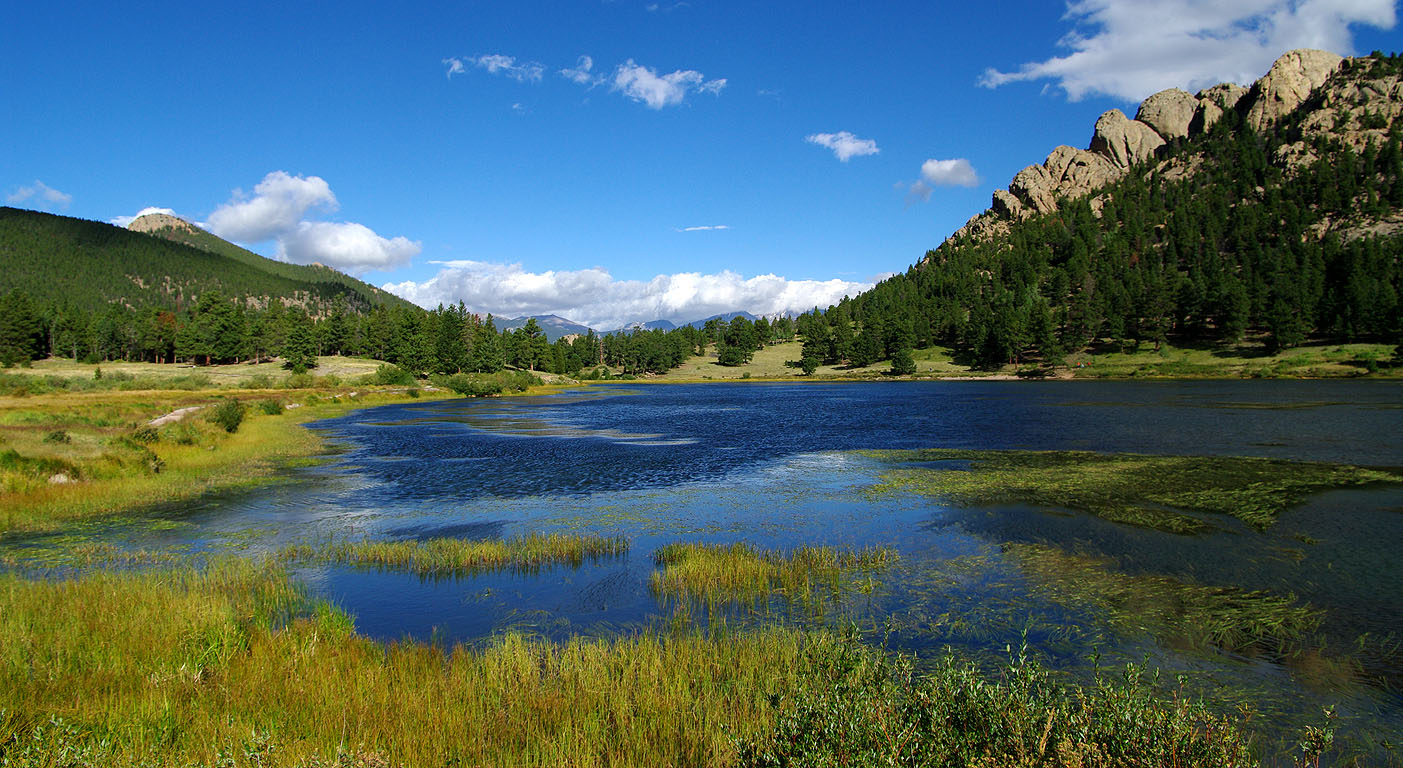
(1354, 110)
(153, 222)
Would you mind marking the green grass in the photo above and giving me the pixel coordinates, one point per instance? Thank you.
(462, 557)
(739, 573)
(1170, 493)
(232, 665)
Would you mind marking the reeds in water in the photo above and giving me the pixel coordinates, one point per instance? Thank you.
(740, 573)
(448, 557)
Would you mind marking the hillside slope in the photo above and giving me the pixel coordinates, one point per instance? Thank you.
(1270, 212)
(87, 265)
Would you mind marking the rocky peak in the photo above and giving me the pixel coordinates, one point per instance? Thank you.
(1288, 84)
(1123, 141)
(1169, 112)
(1119, 143)
(152, 222)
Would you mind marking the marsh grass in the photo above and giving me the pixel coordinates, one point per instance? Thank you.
(1249, 622)
(120, 464)
(455, 557)
(232, 665)
(1163, 492)
(741, 574)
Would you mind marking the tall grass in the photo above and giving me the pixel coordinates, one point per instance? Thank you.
(464, 556)
(740, 573)
(233, 666)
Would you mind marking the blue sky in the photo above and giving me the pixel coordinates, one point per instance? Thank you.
(714, 155)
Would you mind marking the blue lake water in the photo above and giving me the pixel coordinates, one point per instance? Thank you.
(773, 465)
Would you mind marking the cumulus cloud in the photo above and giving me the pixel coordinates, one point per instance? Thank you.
(1129, 49)
(278, 211)
(123, 221)
(279, 202)
(595, 298)
(41, 193)
(582, 73)
(949, 173)
(644, 84)
(844, 144)
(350, 247)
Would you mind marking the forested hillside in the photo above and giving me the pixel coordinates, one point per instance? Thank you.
(1285, 233)
(87, 264)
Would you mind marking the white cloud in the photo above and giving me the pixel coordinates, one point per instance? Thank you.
(41, 193)
(278, 211)
(582, 73)
(347, 246)
(497, 64)
(844, 144)
(279, 202)
(595, 298)
(705, 228)
(949, 173)
(644, 84)
(918, 192)
(455, 66)
(123, 221)
(1130, 49)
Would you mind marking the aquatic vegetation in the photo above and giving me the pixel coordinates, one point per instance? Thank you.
(232, 665)
(1169, 493)
(740, 573)
(445, 556)
(1233, 619)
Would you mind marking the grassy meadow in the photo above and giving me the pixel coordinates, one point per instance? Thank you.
(1247, 359)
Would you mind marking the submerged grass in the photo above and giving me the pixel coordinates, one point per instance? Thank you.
(1243, 621)
(739, 573)
(231, 665)
(1161, 492)
(446, 556)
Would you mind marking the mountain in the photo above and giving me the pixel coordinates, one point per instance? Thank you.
(554, 326)
(724, 317)
(89, 264)
(651, 325)
(1271, 213)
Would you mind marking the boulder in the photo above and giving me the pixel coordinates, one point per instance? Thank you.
(1213, 102)
(1288, 84)
(1169, 112)
(1123, 141)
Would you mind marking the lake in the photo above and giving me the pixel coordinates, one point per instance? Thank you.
(776, 466)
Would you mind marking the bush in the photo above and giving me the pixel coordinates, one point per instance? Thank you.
(328, 381)
(57, 436)
(488, 384)
(259, 381)
(298, 381)
(270, 407)
(145, 434)
(229, 414)
(389, 375)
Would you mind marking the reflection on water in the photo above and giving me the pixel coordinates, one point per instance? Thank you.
(771, 465)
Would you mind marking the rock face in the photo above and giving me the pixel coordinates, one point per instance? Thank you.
(1289, 82)
(1119, 143)
(154, 221)
(1123, 141)
(1169, 112)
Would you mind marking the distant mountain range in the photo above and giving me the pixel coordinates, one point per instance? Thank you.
(556, 327)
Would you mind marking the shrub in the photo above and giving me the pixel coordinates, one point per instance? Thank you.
(328, 381)
(57, 436)
(229, 414)
(259, 381)
(298, 381)
(270, 407)
(145, 434)
(390, 375)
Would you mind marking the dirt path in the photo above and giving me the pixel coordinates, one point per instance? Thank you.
(173, 416)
